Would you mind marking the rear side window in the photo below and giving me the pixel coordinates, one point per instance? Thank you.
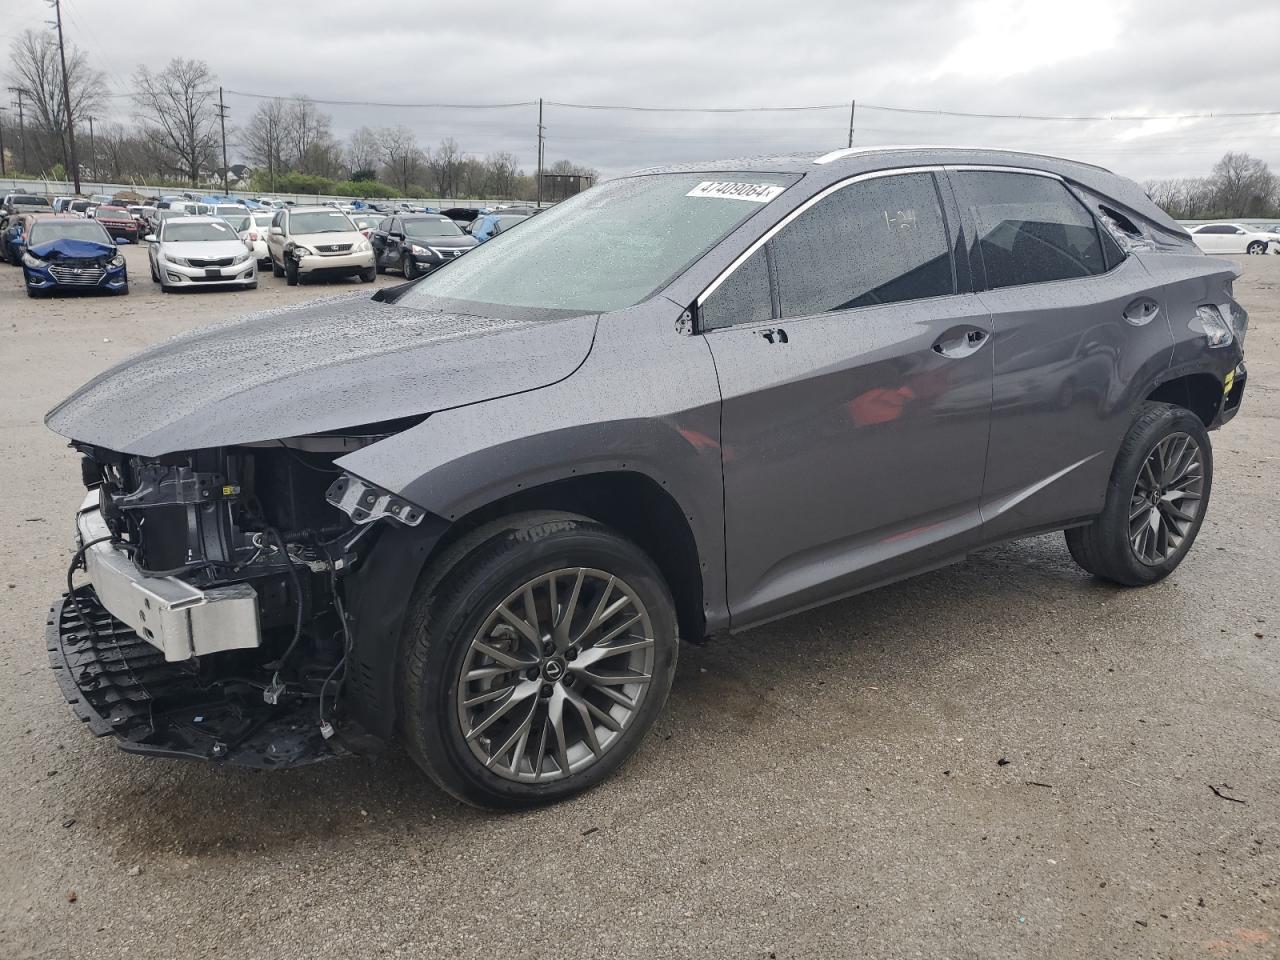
(882, 240)
(1030, 229)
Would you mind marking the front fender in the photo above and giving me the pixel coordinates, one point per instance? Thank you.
(645, 404)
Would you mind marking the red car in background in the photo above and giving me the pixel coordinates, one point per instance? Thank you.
(119, 223)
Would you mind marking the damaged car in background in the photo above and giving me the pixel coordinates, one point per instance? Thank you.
(66, 255)
(474, 513)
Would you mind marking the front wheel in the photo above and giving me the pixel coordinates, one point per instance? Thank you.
(1257, 248)
(368, 275)
(290, 273)
(1156, 500)
(536, 659)
(409, 268)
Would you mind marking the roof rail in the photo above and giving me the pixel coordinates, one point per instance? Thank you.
(893, 147)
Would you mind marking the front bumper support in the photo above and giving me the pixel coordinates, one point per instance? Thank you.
(119, 684)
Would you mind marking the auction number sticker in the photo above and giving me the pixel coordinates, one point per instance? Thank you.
(730, 190)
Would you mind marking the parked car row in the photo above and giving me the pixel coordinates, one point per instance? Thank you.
(1236, 238)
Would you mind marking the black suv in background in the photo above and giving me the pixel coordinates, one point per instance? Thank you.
(417, 243)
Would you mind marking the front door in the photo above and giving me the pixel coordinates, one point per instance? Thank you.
(856, 384)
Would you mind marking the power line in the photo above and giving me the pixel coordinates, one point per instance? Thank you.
(373, 103)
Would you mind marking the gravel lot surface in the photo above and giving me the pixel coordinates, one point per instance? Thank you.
(1005, 758)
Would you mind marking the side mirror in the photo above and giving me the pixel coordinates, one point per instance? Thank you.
(149, 238)
(277, 231)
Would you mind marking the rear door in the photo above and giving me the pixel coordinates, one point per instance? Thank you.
(856, 383)
(1077, 326)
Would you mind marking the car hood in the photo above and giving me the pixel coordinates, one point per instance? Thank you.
(444, 243)
(325, 239)
(203, 249)
(327, 365)
(67, 249)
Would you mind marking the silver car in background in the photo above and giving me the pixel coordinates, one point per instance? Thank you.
(200, 251)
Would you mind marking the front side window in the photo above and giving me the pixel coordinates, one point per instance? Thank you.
(606, 248)
(1030, 229)
(876, 241)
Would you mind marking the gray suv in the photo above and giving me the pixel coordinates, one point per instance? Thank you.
(473, 513)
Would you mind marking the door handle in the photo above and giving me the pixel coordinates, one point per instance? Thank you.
(955, 344)
(774, 335)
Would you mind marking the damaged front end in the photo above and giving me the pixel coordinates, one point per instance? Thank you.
(215, 623)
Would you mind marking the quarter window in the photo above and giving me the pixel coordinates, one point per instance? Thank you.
(877, 241)
(744, 296)
(1030, 229)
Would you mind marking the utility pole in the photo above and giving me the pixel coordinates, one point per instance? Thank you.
(3, 171)
(853, 108)
(22, 132)
(541, 146)
(222, 121)
(66, 97)
(93, 153)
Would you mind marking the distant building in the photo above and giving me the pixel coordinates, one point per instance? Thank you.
(560, 186)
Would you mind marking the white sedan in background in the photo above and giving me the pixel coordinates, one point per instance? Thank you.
(200, 252)
(1234, 238)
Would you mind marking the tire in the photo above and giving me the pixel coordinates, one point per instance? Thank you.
(276, 269)
(378, 265)
(1257, 248)
(368, 275)
(291, 273)
(1106, 547)
(155, 277)
(456, 602)
(408, 268)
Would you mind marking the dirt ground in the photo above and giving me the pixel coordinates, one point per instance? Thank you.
(1005, 758)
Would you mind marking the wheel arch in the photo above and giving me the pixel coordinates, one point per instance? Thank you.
(1201, 393)
(628, 501)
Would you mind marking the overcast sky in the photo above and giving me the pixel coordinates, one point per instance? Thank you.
(1084, 57)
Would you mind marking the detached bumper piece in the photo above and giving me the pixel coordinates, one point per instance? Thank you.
(120, 684)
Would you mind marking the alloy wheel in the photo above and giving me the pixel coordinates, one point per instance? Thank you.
(555, 674)
(1166, 498)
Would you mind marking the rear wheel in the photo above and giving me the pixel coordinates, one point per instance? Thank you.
(536, 660)
(1156, 500)
(1257, 248)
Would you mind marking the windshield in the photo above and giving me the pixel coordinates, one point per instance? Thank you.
(46, 230)
(197, 231)
(27, 201)
(112, 213)
(443, 227)
(606, 248)
(320, 221)
(231, 210)
(239, 222)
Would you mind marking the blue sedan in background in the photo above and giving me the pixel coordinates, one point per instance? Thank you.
(68, 254)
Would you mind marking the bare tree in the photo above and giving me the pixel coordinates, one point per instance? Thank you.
(362, 153)
(400, 155)
(503, 170)
(176, 106)
(446, 163)
(34, 68)
(1243, 186)
(262, 141)
(305, 129)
